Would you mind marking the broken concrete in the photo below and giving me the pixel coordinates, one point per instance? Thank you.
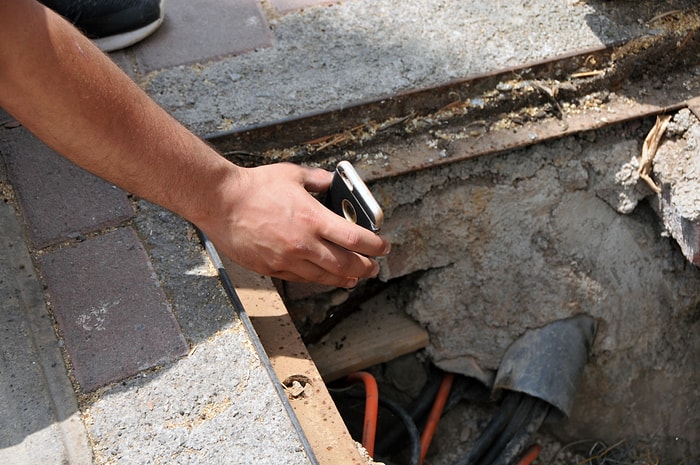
(488, 248)
(677, 166)
(512, 242)
(485, 249)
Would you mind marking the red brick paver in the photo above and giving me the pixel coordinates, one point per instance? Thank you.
(110, 308)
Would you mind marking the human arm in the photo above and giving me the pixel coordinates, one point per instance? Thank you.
(69, 94)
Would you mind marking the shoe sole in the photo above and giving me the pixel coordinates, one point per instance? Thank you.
(126, 39)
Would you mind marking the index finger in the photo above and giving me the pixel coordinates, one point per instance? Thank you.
(352, 237)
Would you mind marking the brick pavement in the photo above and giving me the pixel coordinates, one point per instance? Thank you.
(95, 278)
(59, 200)
(113, 317)
(111, 310)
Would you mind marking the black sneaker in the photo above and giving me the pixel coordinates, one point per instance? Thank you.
(111, 24)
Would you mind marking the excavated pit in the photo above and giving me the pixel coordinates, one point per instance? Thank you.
(512, 201)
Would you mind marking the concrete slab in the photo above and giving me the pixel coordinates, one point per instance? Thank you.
(199, 31)
(187, 274)
(216, 407)
(108, 303)
(333, 57)
(39, 420)
(59, 200)
(286, 6)
(250, 423)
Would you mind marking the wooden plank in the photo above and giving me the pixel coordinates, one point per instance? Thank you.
(366, 338)
(313, 406)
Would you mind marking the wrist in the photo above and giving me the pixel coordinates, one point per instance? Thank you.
(215, 193)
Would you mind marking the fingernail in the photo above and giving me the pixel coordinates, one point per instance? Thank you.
(351, 282)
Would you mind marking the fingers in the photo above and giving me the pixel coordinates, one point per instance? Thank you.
(352, 237)
(308, 272)
(349, 246)
(337, 229)
(309, 259)
(325, 263)
(287, 233)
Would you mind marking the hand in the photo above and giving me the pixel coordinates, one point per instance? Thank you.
(274, 226)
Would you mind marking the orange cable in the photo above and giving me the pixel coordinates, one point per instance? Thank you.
(530, 455)
(369, 429)
(435, 414)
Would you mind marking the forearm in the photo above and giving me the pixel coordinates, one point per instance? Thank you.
(70, 95)
(85, 108)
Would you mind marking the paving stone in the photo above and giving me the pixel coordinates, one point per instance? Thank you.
(109, 306)
(58, 199)
(197, 31)
(39, 420)
(286, 6)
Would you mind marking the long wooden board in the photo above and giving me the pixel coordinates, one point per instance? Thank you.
(317, 414)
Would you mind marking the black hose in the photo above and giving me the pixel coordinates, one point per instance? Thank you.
(520, 418)
(513, 450)
(492, 430)
(417, 411)
(469, 389)
(413, 434)
(398, 411)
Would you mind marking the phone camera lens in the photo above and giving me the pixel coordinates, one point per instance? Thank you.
(349, 211)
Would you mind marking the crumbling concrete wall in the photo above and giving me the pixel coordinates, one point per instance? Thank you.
(515, 241)
(677, 168)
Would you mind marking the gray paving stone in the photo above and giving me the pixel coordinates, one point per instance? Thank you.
(39, 419)
(286, 6)
(197, 31)
(59, 200)
(109, 306)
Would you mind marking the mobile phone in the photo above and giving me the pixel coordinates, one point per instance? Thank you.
(349, 197)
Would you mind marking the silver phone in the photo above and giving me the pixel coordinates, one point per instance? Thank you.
(350, 198)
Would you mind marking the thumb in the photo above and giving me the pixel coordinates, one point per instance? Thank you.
(317, 179)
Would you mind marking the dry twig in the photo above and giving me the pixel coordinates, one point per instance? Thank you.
(651, 144)
(585, 74)
(663, 15)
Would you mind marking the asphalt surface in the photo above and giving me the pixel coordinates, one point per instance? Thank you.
(119, 345)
